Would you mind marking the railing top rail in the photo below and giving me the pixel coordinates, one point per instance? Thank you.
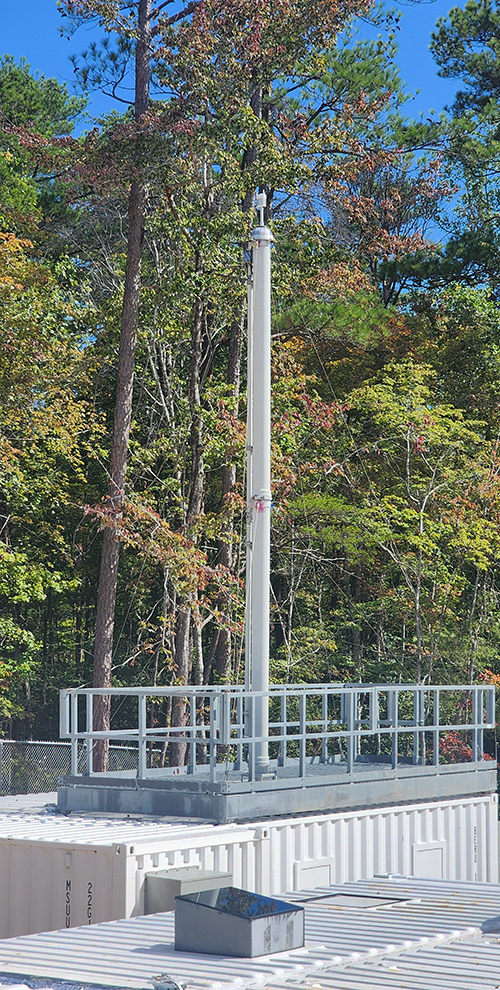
(334, 719)
(237, 689)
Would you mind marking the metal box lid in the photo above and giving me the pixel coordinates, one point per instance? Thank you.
(234, 922)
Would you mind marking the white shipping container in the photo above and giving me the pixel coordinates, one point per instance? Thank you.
(58, 871)
(385, 933)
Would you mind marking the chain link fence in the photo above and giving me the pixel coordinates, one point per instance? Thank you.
(34, 767)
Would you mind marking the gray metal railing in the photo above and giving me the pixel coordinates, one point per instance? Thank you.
(311, 727)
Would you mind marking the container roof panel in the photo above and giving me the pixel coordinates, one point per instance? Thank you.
(420, 934)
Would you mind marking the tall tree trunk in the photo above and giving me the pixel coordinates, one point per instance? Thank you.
(223, 647)
(108, 577)
(182, 657)
(475, 623)
(222, 640)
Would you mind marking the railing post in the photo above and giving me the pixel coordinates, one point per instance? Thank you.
(282, 744)
(343, 706)
(393, 707)
(324, 716)
(373, 710)
(142, 736)
(477, 720)
(416, 719)
(63, 713)
(490, 705)
(350, 712)
(74, 739)
(435, 732)
(68, 728)
(302, 731)
(225, 719)
(421, 720)
(89, 728)
(239, 732)
(192, 729)
(213, 742)
(249, 749)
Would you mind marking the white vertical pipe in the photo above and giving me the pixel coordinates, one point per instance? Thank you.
(261, 483)
(249, 444)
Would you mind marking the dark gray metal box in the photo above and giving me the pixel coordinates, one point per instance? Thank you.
(163, 886)
(234, 922)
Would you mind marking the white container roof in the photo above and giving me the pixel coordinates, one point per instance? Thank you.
(381, 933)
(42, 825)
(30, 818)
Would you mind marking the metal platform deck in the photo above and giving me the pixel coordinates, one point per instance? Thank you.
(331, 747)
(233, 800)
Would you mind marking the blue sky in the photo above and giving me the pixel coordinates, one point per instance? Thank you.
(31, 30)
(417, 66)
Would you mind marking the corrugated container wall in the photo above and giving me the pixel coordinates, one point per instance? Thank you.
(58, 872)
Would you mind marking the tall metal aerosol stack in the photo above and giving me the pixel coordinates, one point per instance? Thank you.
(259, 482)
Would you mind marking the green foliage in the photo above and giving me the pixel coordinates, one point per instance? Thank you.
(42, 104)
(36, 116)
(386, 473)
(465, 46)
(459, 334)
(18, 652)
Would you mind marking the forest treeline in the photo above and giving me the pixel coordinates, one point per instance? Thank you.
(122, 352)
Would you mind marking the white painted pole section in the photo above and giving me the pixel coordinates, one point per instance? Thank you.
(249, 444)
(261, 483)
